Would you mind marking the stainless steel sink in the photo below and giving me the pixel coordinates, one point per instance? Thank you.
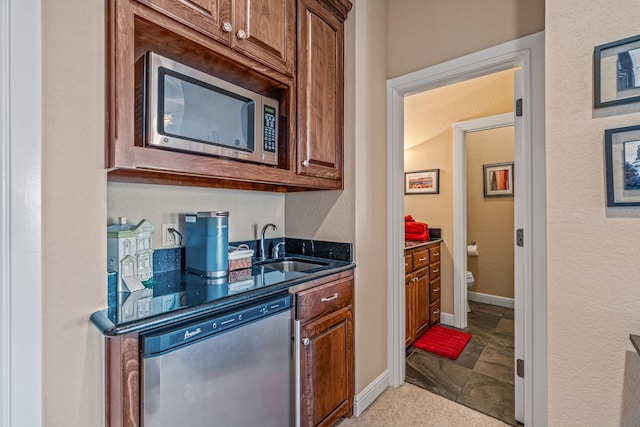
(293, 265)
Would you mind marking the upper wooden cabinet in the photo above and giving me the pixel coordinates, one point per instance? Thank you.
(265, 30)
(261, 29)
(250, 43)
(320, 87)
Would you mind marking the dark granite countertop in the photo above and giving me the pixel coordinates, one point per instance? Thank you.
(178, 295)
(410, 244)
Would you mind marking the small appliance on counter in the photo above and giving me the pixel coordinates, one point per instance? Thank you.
(207, 243)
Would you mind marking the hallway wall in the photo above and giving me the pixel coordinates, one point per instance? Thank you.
(593, 292)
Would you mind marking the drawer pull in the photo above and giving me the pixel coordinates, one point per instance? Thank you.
(406, 264)
(435, 270)
(306, 341)
(422, 259)
(436, 289)
(436, 312)
(332, 297)
(436, 254)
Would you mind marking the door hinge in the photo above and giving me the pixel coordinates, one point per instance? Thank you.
(520, 237)
(519, 107)
(520, 368)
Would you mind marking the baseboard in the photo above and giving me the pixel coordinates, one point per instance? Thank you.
(490, 299)
(446, 319)
(370, 393)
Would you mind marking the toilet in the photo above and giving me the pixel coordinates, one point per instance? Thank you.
(470, 281)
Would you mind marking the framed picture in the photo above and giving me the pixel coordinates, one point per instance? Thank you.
(616, 75)
(622, 153)
(422, 182)
(498, 179)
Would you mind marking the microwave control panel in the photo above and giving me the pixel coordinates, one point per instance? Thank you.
(270, 133)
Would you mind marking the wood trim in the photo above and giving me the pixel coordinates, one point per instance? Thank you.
(340, 8)
(122, 381)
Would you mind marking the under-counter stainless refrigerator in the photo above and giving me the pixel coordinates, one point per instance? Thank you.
(232, 369)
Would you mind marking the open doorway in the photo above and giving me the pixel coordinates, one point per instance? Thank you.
(527, 53)
(465, 206)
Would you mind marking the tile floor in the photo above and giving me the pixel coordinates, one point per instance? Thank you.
(482, 376)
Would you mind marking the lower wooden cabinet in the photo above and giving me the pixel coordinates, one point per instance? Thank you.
(325, 317)
(422, 290)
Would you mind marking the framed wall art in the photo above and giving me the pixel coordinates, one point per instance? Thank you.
(616, 72)
(422, 182)
(498, 179)
(622, 154)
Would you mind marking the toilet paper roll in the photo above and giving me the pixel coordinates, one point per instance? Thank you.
(472, 250)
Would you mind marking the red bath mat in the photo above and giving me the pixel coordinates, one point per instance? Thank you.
(444, 342)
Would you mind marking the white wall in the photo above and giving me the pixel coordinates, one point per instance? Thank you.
(249, 211)
(593, 292)
(73, 212)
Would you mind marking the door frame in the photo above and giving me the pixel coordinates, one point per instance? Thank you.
(20, 213)
(527, 53)
(460, 130)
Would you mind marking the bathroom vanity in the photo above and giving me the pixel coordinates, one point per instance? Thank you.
(422, 287)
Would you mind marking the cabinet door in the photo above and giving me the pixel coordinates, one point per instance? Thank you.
(320, 91)
(421, 314)
(265, 30)
(210, 17)
(326, 366)
(408, 307)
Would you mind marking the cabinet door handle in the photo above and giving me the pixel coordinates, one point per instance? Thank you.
(325, 299)
(241, 34)
(406, 264)
(227, 27)
(305, 163)
(422, 259)
(306, 341)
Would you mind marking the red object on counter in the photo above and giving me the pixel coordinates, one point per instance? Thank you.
(414, 230)
(422, 237)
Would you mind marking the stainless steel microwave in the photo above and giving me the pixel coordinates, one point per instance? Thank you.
(192, 111)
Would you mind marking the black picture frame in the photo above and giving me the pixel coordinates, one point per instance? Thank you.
(614, 81)
(422, 182)
(494, 172)
(622, 175)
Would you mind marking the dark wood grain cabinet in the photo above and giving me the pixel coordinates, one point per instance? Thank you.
(258, 44)
(261, 29)
(422, 290)
(320, 87)
(325, 315)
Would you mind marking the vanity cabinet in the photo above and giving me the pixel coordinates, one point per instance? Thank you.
(324, 316)
(263, 30)
(422, 290)
(261, 45)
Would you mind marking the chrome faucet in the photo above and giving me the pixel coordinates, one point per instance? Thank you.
(263, 253)
(276, 250)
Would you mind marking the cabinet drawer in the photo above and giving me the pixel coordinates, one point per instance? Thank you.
(420, 259)
(324, 299)
(408, 264)
(434, 290)
(434, 312)
(434, 253)
(434, 271)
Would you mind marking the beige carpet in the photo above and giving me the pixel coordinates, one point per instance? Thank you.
(409, 405)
